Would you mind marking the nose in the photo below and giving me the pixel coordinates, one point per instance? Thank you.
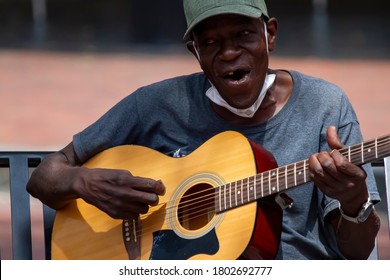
(229, 50)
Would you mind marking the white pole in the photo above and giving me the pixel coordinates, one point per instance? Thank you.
(387, 183)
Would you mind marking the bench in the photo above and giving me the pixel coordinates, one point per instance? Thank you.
(25, 229)
(26, 224)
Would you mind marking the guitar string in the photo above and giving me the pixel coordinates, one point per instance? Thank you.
(195, 214)
(228, 191)
(203, 210)
(282, 174)
(301, 166)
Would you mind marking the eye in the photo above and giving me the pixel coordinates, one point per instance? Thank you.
(208, 42)
(245, 33)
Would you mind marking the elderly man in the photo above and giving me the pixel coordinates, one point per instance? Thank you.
(292, 115)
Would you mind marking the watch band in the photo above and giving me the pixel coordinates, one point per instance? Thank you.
(364, 212)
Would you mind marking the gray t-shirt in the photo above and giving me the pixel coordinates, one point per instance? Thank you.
(175, 117)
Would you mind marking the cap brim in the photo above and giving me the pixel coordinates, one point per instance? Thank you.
(227, 9)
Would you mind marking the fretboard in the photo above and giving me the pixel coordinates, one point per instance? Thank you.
(276, 180)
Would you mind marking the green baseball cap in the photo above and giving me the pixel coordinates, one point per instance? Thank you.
(199, 10)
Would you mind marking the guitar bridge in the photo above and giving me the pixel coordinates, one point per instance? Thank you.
(131, 238)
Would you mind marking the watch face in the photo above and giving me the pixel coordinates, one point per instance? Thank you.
(365, 212)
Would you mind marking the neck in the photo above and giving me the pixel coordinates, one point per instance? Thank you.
(274, 100)
(248, 112)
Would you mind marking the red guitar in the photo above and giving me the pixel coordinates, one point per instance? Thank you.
(219, 203)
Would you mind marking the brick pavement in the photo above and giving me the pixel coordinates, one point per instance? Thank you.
(47, 97)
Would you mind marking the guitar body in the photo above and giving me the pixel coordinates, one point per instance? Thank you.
(176, 229)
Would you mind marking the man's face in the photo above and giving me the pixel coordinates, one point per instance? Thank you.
(233, 56)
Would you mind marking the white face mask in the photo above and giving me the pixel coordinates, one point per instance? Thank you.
(213, 94)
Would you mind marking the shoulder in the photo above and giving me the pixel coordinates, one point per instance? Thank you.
(312, 82)
(318, 90)
(190, 81)
(165, 91)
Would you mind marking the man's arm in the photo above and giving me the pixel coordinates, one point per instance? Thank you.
(59, 178)
(355, 241)
(336, 177)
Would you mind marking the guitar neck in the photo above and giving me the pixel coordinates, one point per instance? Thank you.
(276, 180)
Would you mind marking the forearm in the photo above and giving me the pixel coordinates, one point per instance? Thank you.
(356, 241)
(53, 181)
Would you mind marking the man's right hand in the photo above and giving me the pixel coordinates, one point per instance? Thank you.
(117, 192)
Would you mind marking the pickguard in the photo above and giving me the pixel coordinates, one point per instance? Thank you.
(167, 245)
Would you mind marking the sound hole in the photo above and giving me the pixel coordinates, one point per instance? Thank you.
(196, 207)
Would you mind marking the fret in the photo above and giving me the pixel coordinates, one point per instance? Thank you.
(349, 154)
(384, 148)
(262, 184)
(235, 193)
(300, 172)
(269, 182)
(224, 197)
(254, 188)
(355, 155)
(282, 178)
(362, 152)
(247, 190)
(295, 174)
(370, 151)
(242, 194)
(216, 191)
(286, 177)
(273, 174)
(277, 179)
(223, 206)
(243, 190)
(230, 195)
(219, 198)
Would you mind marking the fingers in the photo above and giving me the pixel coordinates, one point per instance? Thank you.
(335, 176)
(119, 193)
(322, 169)
(148, 190)
(333, 138)
(344, 166)
(334, 165)
(148, 185)
(127, 211)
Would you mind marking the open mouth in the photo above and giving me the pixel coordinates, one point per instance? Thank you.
(236, 75)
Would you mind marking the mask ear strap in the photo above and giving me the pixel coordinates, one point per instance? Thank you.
(266, 36)
(196, 50)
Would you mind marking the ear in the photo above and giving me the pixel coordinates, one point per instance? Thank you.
(272, 28)
(191, 48)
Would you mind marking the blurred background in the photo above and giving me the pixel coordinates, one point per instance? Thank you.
(63, 63)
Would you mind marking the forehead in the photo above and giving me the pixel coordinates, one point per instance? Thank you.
(225, 21)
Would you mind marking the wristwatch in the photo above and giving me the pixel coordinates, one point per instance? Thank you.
(363, 214)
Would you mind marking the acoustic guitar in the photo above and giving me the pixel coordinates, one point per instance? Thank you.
(220, 201)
